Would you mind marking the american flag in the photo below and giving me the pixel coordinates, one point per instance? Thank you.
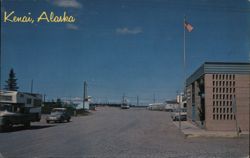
(188, 26)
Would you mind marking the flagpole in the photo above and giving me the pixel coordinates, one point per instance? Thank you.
(184, 69)
(184, 52)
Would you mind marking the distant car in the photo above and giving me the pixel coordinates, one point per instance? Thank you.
(58, 115)
(125, 106)
(176, 116)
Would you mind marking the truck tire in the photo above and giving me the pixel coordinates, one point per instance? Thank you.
(27, 124)
(5, 127)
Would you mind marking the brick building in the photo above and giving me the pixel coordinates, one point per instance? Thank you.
(212, 92)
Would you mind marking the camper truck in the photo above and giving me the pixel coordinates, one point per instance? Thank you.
(19, 108)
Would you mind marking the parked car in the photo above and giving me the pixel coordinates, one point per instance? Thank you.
(176, 116)
(58, 115)
(125, 106)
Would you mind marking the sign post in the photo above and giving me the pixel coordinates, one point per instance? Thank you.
(234, 108)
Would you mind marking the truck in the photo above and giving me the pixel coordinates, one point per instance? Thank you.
(19, 108)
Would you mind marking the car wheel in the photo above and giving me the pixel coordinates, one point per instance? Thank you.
(61, 120)
(47, 121)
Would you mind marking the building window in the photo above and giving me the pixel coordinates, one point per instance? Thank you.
(233, 77)
(28, 101)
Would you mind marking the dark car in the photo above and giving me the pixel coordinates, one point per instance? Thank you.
(58, 115)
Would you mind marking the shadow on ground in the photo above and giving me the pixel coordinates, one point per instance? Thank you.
(21, 128)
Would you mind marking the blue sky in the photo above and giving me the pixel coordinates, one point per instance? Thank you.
(120, 46)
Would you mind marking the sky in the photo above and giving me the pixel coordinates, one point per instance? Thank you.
(120, 47)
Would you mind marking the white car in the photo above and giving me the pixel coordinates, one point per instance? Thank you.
(176, 116)
(125, 106)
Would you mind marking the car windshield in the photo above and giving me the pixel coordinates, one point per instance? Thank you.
(56, 112)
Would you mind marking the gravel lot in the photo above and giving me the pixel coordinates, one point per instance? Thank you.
(112, 132)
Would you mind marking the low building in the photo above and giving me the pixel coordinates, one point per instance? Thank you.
(218, 95)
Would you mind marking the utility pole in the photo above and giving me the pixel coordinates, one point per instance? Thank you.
(154, 98)
(84, 93)
(31, 86)
(178, 99)
(137, 98)
(123, 98)
(44, 99)
(234, 108)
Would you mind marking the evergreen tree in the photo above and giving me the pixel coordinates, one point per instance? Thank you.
(11, 82)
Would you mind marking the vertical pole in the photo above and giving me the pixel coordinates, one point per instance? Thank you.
(44, 97)
(184, 55)
(235, 114)
(154, 98)
(123, 98)
(31, 86)
(1, 52)
(179, 111)
(137, 103)
(84, 92)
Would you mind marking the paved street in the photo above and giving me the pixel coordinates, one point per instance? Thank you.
(112, 132)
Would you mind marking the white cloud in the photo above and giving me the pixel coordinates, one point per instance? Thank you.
(126, 31)
(67, 3)
(72, 27)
